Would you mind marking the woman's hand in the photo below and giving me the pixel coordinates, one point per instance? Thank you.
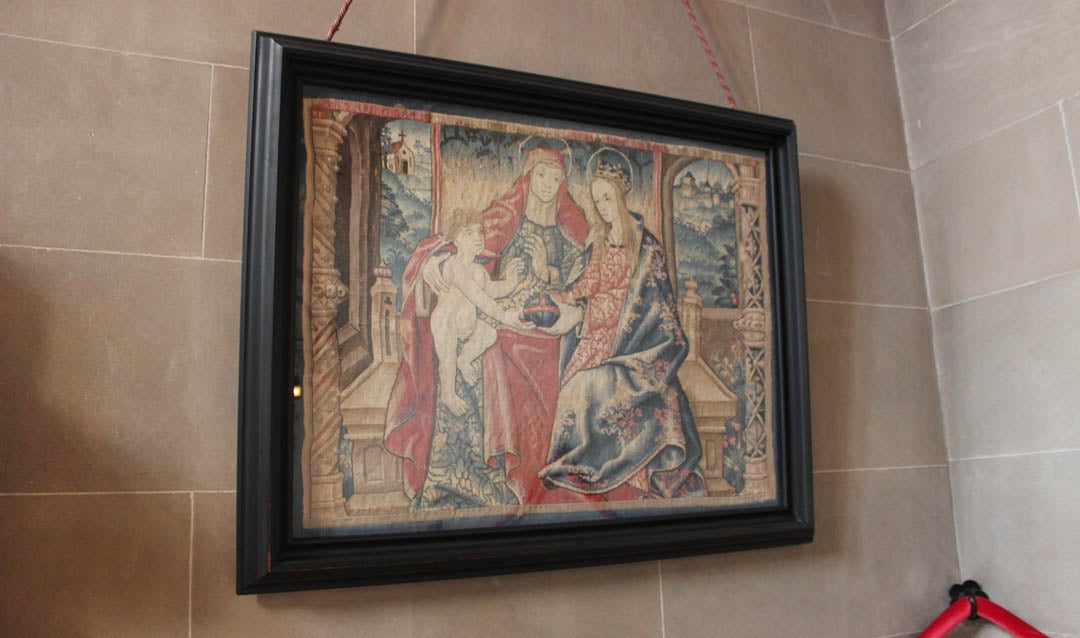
(431, 271)
(569, 316)
(535, 248)
(514, 271)
(513, 319)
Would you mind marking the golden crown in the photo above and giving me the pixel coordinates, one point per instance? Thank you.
(613, 172)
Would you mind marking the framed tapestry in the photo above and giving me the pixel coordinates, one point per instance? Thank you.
(498, 322)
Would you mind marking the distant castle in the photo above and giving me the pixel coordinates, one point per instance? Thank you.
(703, 195)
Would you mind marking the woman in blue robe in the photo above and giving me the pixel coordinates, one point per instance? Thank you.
(623, 427)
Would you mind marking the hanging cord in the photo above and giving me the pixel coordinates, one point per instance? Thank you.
(709, 53)
(689, 12)
(337, 21)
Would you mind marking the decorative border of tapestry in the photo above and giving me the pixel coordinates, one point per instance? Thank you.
(498, 322)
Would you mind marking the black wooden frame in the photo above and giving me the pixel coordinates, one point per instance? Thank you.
(269, 557)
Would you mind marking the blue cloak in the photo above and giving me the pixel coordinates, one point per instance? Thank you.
(628, 419)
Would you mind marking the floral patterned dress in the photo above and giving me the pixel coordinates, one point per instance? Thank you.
(604, 283)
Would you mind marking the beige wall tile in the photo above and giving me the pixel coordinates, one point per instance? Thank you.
(621, 600)
(882, 559)
(1009, 364)
(101, 150)
(1001, 212)
(980, 65)
(1071, 109)
(100, 565)
(839, 88)
(904, 14)
(860, 16)
(225, 164)
(635, 44)
(123, 372)
(205, 30)
(873, 387)
(1016, 526)
(860, 234)
(812, 10)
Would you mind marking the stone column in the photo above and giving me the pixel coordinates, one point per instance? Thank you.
(385, 343)
(752, 327)
(327, 291)
(690, 314)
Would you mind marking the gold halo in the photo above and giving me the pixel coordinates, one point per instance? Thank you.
(566, 151)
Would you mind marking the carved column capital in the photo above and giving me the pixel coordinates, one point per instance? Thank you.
(747, 190)
(751, 327)
(327, 291)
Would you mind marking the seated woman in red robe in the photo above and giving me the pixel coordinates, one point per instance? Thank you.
(623, 428)
(538, 222)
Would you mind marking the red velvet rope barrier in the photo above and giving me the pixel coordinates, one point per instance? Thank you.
(953, 615)
(960, 611)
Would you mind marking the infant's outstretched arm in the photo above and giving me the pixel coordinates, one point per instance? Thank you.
(512, 276)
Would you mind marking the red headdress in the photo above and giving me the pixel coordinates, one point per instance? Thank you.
(503, 216)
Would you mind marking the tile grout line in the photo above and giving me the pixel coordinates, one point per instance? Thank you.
(206, 164)
(191, 564)
(921, 232)
(857, 163)
(867, 304)
(1068, 151)
(832, 15)
(907, 141)
(922, 20)
(945, 427)
(141, 54)
(966, 145)
(888, 468)
(119, 253)
(119, 493)
(753, 59)
(660, 580)
(984, 295)
(991, 457)
(816, 24)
